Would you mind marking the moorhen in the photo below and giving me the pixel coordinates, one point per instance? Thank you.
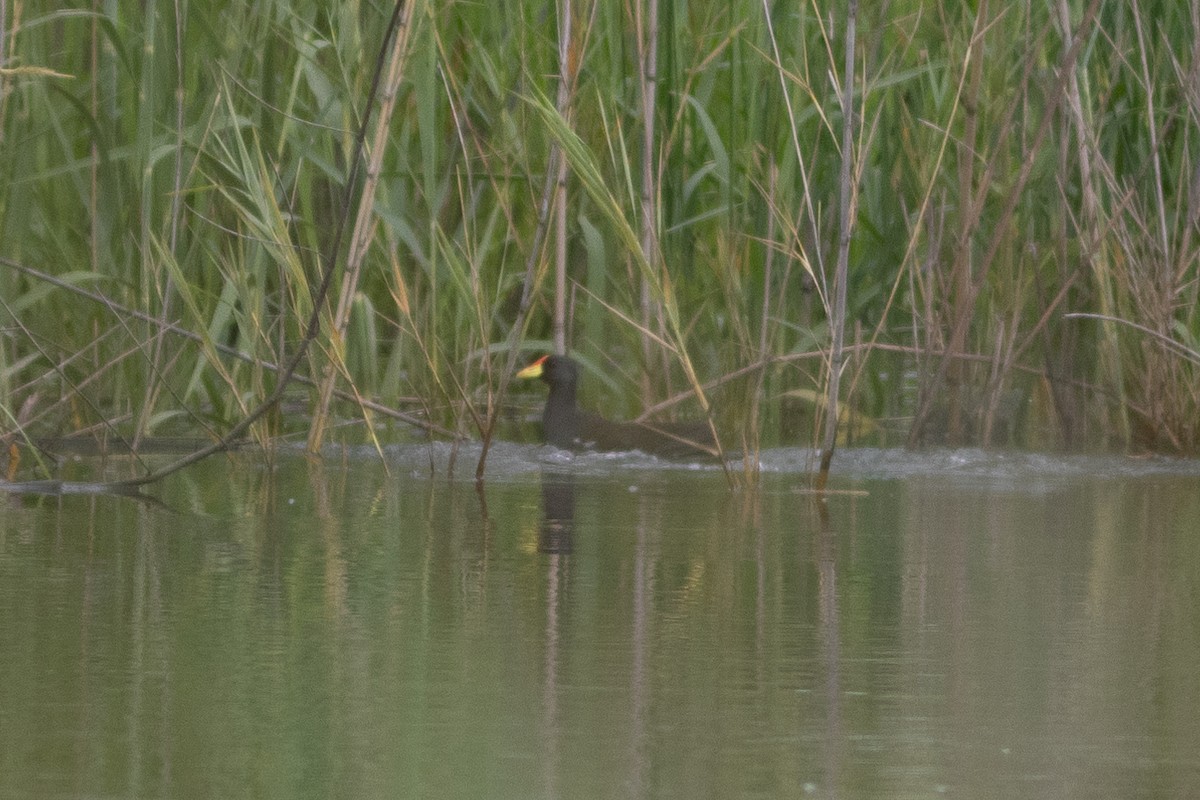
(565, 426)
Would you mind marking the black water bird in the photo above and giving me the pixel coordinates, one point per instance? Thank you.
(565, 425)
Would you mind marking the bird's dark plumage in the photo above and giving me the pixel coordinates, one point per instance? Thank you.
(565, 425)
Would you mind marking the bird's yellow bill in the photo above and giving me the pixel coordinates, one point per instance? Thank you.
(534, 370)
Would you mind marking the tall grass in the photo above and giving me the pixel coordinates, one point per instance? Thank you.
(1014, 163)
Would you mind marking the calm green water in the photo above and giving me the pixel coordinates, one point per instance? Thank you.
(974, 625)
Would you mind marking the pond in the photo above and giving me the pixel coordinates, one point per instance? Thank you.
(951, 624)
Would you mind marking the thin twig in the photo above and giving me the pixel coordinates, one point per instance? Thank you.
(1171, 344)
(837, 321)
(124, 312)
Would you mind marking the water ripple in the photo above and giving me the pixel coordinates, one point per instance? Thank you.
(998, 467)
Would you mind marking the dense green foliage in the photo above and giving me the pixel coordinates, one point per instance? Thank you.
(186, 162)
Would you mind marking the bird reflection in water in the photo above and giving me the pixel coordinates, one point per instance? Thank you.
(558, 512)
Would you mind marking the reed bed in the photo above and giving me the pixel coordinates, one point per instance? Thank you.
(1021, 181)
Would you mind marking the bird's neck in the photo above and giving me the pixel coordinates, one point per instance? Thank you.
(560, 419)
(564, 395)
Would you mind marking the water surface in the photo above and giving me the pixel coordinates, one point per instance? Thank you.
(965, 624)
